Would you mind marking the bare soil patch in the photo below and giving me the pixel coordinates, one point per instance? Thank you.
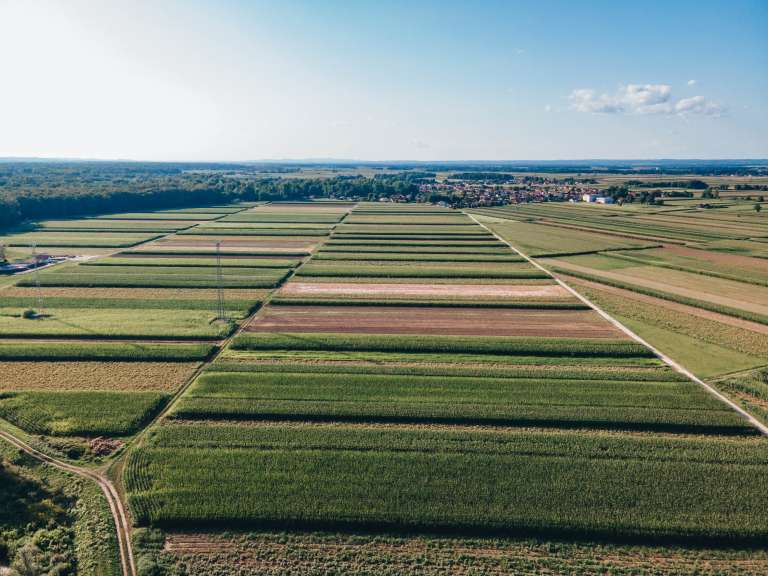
(452, 321)
(388, 290)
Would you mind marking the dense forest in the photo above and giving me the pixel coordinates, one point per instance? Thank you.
(37, 190)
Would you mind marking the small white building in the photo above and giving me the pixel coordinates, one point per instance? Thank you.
(589, 197)
(604, 200)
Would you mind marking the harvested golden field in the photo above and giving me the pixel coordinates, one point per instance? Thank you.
(733, 260)
(735, 335)
(739, 295)
(660, 304)
(722, 292)
(139, 376)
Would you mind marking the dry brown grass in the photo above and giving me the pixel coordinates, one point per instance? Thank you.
(140, 376)
(315, 554)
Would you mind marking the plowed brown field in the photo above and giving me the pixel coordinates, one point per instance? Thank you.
(453, 321)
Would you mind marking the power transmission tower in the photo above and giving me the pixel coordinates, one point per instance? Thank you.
(222, 317)
(38, 292)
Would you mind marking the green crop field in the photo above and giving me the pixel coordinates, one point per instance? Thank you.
(110, 323)
(440, 344)
(45, 239)
(80, 413)
(388, 270)
(470, 482)
(542, 240)
(403, 438)
(156, 277)
(104, 351)
(671, 406)
(195, 262)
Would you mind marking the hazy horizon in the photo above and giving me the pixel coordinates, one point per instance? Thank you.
(240, 81)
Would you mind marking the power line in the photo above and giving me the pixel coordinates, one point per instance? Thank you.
(219, 284)
(38, 291)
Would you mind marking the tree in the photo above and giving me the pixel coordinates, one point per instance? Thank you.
(758, 207)
(28, 561)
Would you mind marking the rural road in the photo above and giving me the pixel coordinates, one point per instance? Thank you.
(122, 527)
(116, 507)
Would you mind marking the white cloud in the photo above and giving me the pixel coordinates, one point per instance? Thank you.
(691, 82)
(547, 108)
(698, 105)
(642, 99)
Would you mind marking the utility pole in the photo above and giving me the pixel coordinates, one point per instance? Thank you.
(220, 289)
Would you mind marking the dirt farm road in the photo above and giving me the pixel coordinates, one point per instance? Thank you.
(122, 527)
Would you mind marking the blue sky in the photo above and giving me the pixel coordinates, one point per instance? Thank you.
(384, 80)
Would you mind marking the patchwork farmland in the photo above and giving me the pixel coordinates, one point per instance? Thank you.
(699, 292)
(390, 385)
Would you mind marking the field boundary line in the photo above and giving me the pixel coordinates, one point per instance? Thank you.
(224, 342)
(762, 428)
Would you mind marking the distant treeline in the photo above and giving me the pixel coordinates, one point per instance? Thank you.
(498, 177)
(691, 184)
(35, 190)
